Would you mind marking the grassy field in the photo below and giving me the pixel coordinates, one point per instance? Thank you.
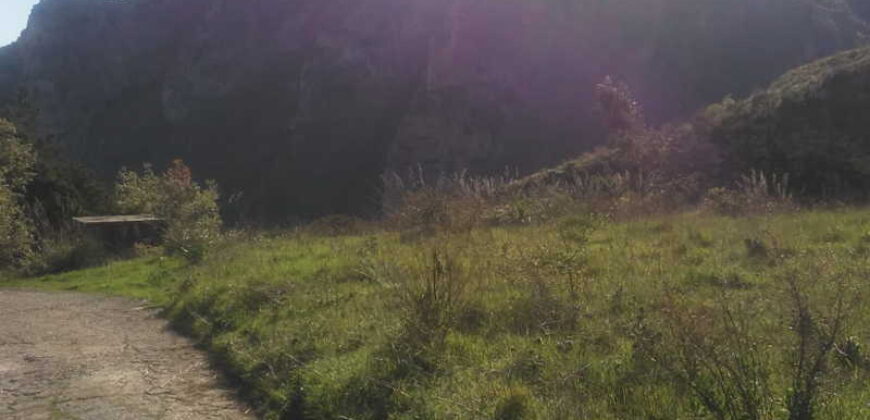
(686, 316)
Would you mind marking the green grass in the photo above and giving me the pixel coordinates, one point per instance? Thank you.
(538, 322)
(149, 278)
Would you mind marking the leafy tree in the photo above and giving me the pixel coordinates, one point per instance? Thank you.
(60, 188)
(63, 189)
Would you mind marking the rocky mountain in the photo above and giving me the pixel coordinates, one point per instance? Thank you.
(297, 106)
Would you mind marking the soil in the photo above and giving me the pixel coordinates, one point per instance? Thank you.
(75, 356)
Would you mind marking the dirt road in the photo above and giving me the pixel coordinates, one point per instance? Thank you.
(72, 356)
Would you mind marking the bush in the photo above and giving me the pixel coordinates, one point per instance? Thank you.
(435, 298)
(17, 159)
(16, 231)
(16, 171)
(712, 353)
(66, 253)
(816, 332)
(190, 211)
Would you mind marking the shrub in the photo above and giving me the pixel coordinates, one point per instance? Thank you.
(66, 253)
(438, 294)
(138, 193)
(432, 301)
(724, 354)
(16, 231)
(817, 332)
(16, 171)
(17, 159)
(189, 210)
(710, 350)
(666, 158)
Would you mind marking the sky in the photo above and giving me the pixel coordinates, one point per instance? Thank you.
(13, 19)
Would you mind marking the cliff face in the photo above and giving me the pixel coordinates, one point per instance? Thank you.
(299, 104)
(290, 103)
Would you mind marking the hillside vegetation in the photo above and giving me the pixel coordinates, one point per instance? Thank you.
(809, 127)
(266, 98)
(684, 316)
(811, 124)
(700, 269)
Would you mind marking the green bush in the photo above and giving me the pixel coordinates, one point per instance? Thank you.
(66, 253)
(16, 231)
(190, 211)
(17, 159)
(16, 171)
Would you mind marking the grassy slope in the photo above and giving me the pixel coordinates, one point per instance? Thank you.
(327, 327)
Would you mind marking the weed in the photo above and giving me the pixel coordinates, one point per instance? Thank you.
(700, 239)
(755, 193)
(432, 303)
(732, 280)
(527, 367)
(850, 353)
(576, 229)
(833, 236)
(515, 406)
(816, 338)
(719, 361)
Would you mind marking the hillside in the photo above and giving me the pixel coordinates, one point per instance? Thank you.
(810, 126)
(813, 124)
(296, 107)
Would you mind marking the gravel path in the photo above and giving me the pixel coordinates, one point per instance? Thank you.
(74, 356)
